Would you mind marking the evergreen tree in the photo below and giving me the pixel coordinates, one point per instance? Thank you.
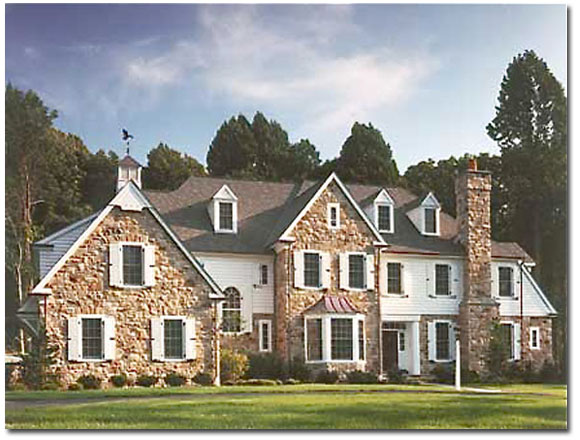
(99, 184)
(167, 168)
(365, 157)
(232, 150)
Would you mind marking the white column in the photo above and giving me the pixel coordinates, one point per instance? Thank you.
(415, 347)
(457, 365)
(326, 339)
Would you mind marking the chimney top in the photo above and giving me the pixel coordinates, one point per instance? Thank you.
(472, 164)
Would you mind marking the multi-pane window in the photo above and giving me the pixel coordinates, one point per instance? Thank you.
(394, 278)
(430, 220)
(232, 311)
(263, 274)
(507, 339)
(333, 216)
(505, 281)
(314, 339)
(226, 220)
(132, 265)
(356, 271)
(265, 335)
(442, 272)
(92, 343)
(534, 338)
(442, 340)
(341, 339)
(384, 217)
(402, 341)
(311, 269)
(361, 340)
(173, 338)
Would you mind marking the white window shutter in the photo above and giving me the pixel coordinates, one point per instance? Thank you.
(246, 324)
(189, 335)
(75, 351)
(343, 269)
(157, 335)
(110, 344)
(115, 264)
(258, 272)
(451, 341)
(430, 274)
(298, 269)
(517, 342)
(404, 281)
(494, 281)
(370, 272)
(325, 269)
(431, 340)
(149, 265)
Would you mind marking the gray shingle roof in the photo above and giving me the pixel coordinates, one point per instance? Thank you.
(266, 209)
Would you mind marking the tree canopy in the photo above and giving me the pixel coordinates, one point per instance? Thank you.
(167, 168)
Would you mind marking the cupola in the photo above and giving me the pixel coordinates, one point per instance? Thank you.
(129, 170)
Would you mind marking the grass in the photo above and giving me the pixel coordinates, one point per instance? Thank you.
(326, 407)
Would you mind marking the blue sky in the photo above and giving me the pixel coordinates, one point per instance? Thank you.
(427, 76)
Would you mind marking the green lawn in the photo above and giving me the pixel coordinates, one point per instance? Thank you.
(323, 408)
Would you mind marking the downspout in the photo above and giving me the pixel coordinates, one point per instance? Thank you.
(521, 263)
(288, 301)
(380, 326)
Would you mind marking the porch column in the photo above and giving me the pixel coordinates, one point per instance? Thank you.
(415, 349)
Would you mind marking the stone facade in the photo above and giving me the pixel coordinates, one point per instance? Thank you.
(248, 342)
(312, 232)
(428, 365)
(544, 352)
(81, 287)
(477, 309)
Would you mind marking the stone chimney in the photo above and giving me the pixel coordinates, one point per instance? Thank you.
(129, 170)
(478, 308)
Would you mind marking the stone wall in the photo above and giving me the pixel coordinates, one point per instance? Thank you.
(81, 287)
(544, 353)
(312, 232)
(248, 342)
(427, 365)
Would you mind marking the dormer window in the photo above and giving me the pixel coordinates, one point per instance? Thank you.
(223, 211)
(425, 217)
(383, 212)
(430, 220)
(333, 215)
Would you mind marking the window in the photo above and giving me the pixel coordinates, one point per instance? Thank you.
(394, 278)
(232, 311)
(265, 335)
(311, 269)
(263, 274)
(226, 218)
(508, 339)
(506, 282)
(534, 338)
(341, 339)
(314, 339)
(173, 339)
(442, 340)
(92, 338)
(361, 340)
(132, 265)
(356, 271)
(442, 272)
(430, 220)
(384, 218)
(333, 215)
(401, 341)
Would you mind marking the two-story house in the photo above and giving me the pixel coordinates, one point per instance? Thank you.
(340, 276)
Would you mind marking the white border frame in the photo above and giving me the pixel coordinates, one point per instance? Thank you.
(391, 229)
(329, 208)
(183, 341)
(92, 316)
(327, 337)
(261, 334)
(538, 339)
(451, 343)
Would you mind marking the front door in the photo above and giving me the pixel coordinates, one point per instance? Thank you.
(390, 350)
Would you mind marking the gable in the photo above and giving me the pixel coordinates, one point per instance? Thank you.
(384, 197)
(430, 201)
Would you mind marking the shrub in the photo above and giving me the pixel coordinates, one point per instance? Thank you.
(444, 373)
(358, 376)
(326, 376)
(119, 380)
(549, 373)
(146, 380)
(267, 366)
(292, 382)
(233, 365)
(89, 382)
(175, 380)
(74, 387)
(36, 363)
(259, 382)
(202, 378)
(50, 386)
(396, 376)
(8, 376)
(469, 376)
(297, 369)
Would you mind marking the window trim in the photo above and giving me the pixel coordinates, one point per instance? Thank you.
(326, 337)
(221, 310)
(449, 277)
(261, 280)
(268, 322)
(424, 217)
(391, 217)
(537, 339)
(364, 269)
(402, 287)
(93, 316)
(512, 282)
(181, 318)
(219, 228)
(330, 207)
(451, 343)
(122, 263)
(304, 285)
(513, 339)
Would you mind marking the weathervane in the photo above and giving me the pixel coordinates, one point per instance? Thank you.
(127, 138)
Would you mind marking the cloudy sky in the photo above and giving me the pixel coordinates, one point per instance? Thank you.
(426, 75)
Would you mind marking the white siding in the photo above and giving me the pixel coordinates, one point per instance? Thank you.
(49, 255)
(533, 303)
(240, 272)
(418, 298)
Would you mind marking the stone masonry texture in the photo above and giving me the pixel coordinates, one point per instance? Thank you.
(81, 287)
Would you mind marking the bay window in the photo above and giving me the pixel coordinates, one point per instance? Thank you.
(335, 338)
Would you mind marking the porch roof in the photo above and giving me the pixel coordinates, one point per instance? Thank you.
(332, 304)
